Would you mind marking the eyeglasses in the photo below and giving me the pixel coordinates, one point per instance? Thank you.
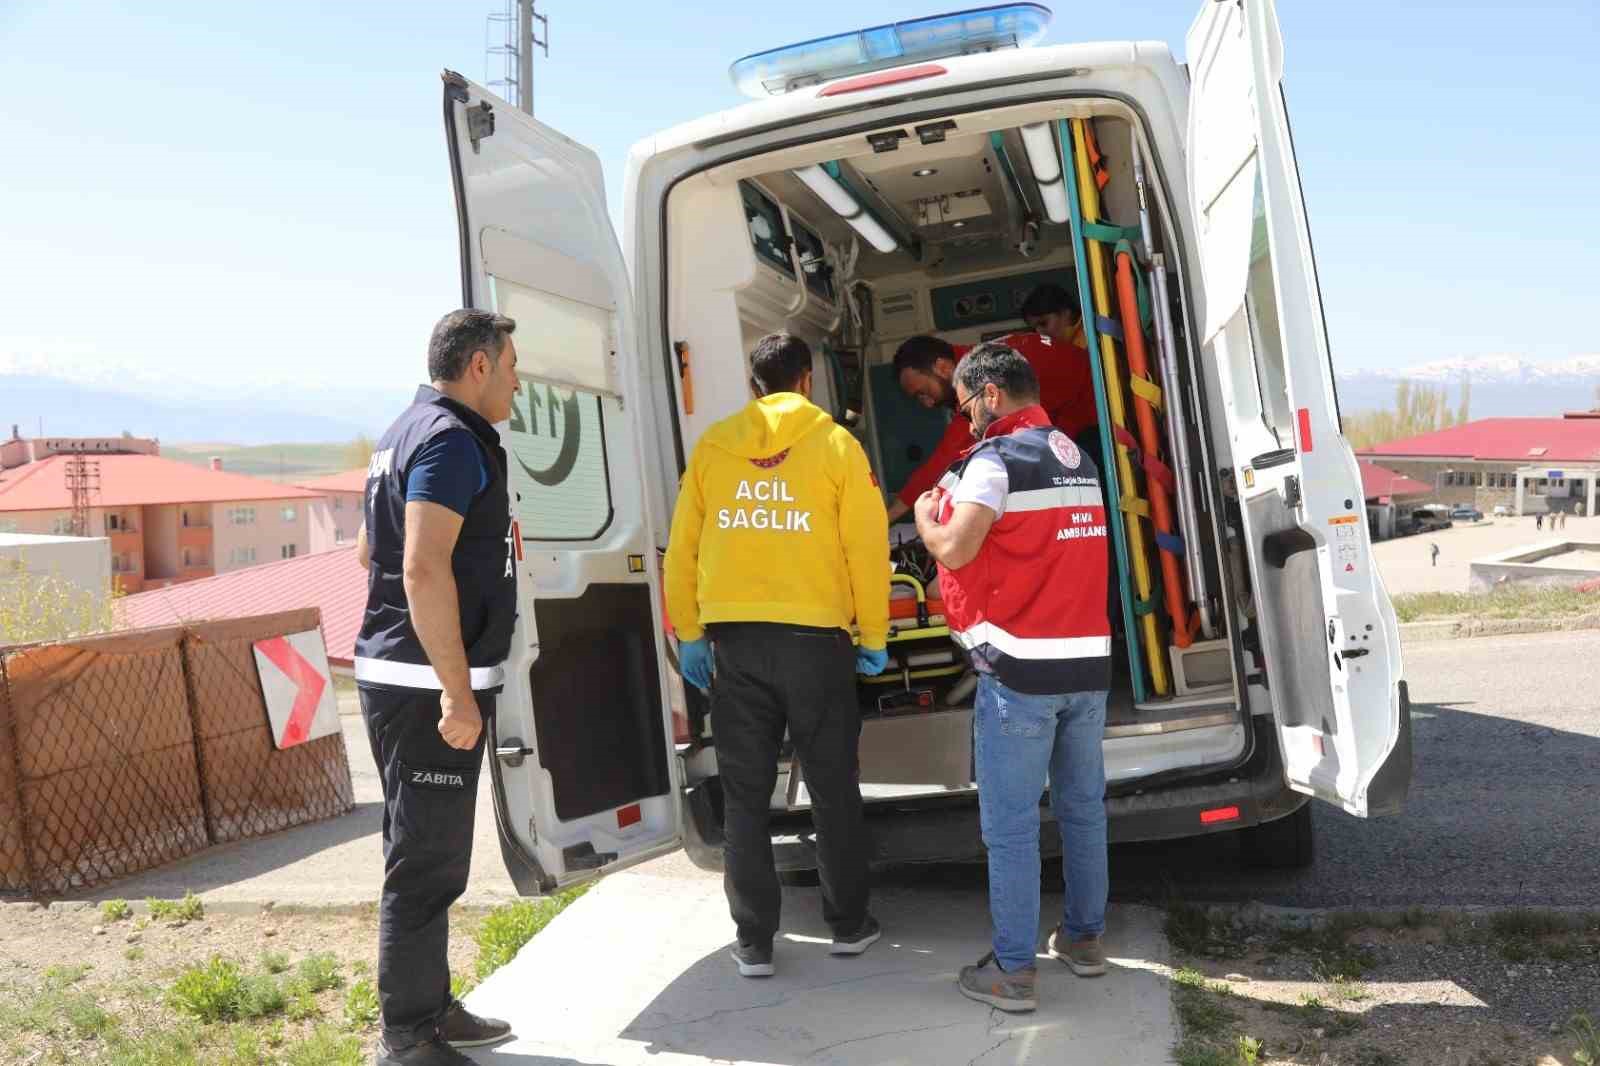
(963, 405)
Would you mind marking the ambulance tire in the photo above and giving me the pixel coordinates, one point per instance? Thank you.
(1282, 844)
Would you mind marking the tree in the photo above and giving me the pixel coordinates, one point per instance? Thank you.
(358, 453)
(1464, 413)
(1418, 409)
(35, 606)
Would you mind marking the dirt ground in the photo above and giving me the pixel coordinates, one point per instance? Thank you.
(75, 987)
(1494, 989)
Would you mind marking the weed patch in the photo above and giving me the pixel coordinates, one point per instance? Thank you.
(319, 973)
(115, 910)
(1505, 603)
(1582, 1029)
(209, 993)
(361, 1004)
(325, 1047)
(1191, 930)
(178, 911)
(508, 927)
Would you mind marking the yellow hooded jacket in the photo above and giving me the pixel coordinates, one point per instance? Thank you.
(779, 519)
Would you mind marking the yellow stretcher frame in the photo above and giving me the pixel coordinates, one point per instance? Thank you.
(1131, 503)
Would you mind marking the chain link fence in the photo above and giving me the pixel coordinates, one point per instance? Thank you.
(131, 750)
(251, 787)
(104, 760)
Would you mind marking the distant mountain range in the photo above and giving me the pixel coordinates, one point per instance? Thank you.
(237, 416)
(1502, 385)
(107, 406)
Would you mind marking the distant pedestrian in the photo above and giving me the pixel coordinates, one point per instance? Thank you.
(1563, 520)
(1433, 550)
(1538, 521)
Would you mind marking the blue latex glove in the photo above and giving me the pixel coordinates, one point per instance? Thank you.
(871, 661)
(694, 661)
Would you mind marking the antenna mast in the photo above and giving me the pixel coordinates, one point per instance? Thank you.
(509, 38)
(83, 480)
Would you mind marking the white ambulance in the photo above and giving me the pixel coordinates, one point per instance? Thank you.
(905, 180)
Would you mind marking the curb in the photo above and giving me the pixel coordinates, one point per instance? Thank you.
(1460, 628)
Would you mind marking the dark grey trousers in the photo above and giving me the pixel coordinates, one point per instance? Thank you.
(770, 677)
(430, 794)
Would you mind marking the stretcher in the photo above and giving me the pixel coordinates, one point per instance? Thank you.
(921, 651)
(1125, 505)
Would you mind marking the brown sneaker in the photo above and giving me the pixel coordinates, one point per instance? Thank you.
(988, 983)
(1086, 957)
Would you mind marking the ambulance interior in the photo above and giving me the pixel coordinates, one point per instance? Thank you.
(944, 227)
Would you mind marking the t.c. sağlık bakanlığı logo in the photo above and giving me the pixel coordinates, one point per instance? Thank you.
(1065, 450)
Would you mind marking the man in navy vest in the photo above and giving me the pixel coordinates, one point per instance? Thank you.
(441, 606)
(1018, 526)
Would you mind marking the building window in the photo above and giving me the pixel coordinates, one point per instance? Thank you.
(242, 516)
(338, 503)
(338, 536)
(287, 551)
(289, 514)
(111, 523)
(8, 525)
(187, 560)
(61, 525)
(240, 556)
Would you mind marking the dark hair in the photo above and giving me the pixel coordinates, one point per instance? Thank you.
(778, 362)
(1048, 299)
(459, 334)
(920, 353)
(1000, 365)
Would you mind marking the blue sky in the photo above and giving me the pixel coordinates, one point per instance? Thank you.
(255, 194)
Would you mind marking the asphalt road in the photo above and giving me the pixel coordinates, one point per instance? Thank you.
(1504, 807)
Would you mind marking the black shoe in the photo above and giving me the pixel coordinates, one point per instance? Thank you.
(753, 961)
(433, 1052)
(860, 941)
(461, 1028)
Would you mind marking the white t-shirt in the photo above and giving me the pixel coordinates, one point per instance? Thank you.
(983, 481)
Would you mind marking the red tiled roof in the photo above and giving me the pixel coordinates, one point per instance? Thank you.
(1377, 481)
(329, 580)
(349, 481)
(134, 481)
(1507, 440)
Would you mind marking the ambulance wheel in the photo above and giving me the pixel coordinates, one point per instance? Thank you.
(1282, 844)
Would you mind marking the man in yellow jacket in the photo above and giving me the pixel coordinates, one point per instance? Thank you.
(779, 541)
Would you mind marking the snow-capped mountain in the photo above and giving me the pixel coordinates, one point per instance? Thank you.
(1502, 385)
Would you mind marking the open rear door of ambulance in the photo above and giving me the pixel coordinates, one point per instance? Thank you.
(1327, 630)
(581, 749)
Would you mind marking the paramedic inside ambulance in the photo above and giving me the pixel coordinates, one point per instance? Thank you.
(778, 544)
(925, 365)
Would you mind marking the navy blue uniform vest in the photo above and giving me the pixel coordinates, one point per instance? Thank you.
(388, 652)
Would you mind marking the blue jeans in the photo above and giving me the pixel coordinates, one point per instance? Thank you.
(1019, 739)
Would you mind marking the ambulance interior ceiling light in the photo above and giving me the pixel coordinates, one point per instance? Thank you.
(1046, 163)
(847, 207)
(981, 29)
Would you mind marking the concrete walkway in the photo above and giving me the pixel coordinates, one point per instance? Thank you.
(637, 972)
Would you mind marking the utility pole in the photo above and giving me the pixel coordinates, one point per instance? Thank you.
(518, 38)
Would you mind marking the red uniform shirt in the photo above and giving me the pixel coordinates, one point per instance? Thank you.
(1066, 392)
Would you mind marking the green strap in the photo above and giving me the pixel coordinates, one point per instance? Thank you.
(1145, 314)
(1106, 233)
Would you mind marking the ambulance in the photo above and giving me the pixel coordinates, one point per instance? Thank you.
(923, 178)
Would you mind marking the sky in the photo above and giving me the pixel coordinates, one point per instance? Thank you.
(254, 195)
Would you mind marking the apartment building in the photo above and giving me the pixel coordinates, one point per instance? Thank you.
(166, 521)
(336, 517)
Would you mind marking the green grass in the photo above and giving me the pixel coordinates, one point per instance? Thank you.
(1247, 1050)
(57, 977)
(52, 1010)
(274, 962)
(508, 927)
(209, 993)
(325, 1047)
(1511, 602)
(1191, 930)
(1201, 1014)
(361, 1004)
(1194, 1052)
(134, 954)
(180, 911)
(115, 910)
(319, 973)
(1329, 946)
(1582, 1029)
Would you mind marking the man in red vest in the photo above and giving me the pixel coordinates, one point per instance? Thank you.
(924, 366)
(1018, 526)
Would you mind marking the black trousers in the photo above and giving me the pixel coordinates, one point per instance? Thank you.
(430, 793)
(768, 677)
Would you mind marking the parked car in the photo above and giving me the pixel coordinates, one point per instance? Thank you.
(1502, 510)
(1466, 514)
(1431, 518)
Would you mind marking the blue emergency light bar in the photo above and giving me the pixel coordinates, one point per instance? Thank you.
(981, 29)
